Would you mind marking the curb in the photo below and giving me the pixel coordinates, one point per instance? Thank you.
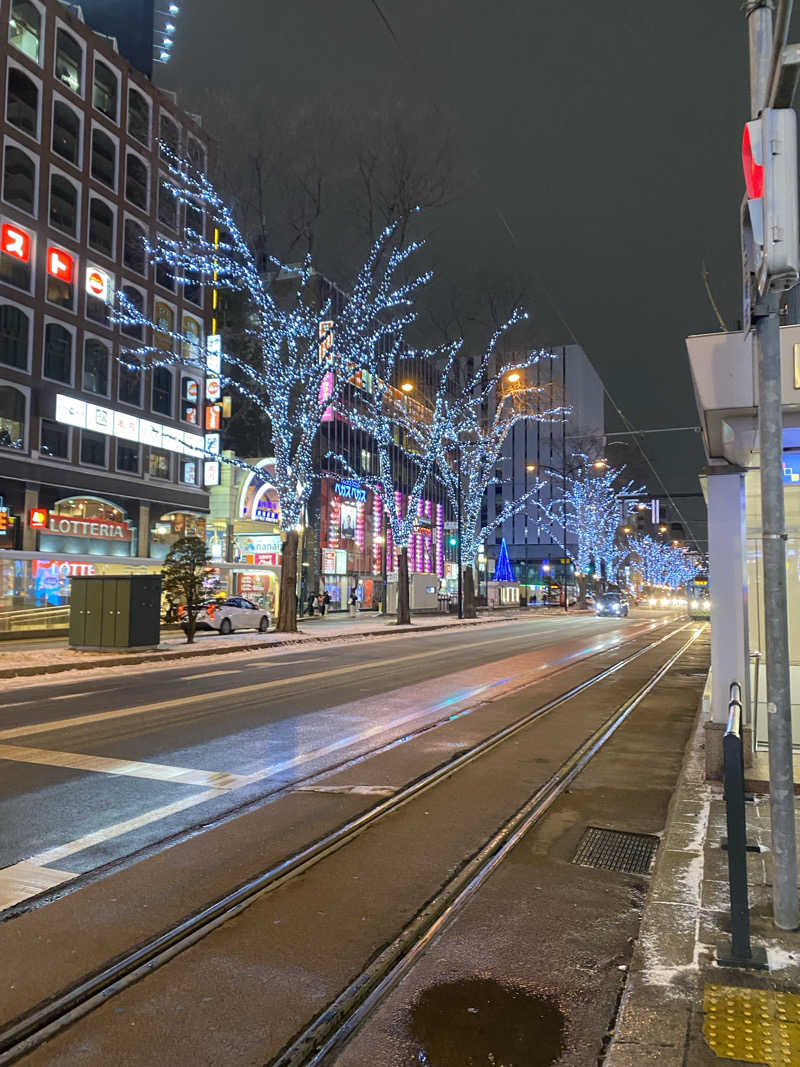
(184, 653)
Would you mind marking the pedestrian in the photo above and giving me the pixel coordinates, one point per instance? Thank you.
(311, 602)
(353, 603)
(326, 599)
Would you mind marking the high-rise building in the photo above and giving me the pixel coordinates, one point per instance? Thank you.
(95, 458)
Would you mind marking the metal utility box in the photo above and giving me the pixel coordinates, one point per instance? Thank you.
(115, 611)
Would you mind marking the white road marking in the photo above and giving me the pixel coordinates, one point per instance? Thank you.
(88, 693)
(209, 674)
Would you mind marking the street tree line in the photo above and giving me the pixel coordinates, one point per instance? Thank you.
(292, 362)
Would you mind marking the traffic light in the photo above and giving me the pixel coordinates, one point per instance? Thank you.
(769, 160)
(454, 541)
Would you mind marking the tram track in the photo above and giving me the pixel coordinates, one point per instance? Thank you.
(340, 1019)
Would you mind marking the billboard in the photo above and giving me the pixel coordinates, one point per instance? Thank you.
(131, 22)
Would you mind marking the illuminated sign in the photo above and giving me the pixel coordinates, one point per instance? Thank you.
(334, 561)
(15, 242)
(98, 283)
(350, 491)
(103, 420)
(214, 353)
(213, 416)
(68, 526)
(190, 389)
(325, 342)
(211, 473)
(791, 468)
(38, 519)
(212, 443)
(60, 264)
(213, 389)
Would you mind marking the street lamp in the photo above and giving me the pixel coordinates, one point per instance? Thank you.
(407, 387)
(600, 464)
(530, 467)
(514, 377)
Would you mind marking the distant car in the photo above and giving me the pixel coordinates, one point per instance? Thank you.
(235, 613)
(611, 604)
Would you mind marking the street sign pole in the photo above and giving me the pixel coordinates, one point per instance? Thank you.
(770, 428)
(460, 575)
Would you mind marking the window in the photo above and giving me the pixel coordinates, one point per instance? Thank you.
(192, 290)
(19, 179)
(194, 219)
(57, 362)
(54, 440)
(170, 137)
(63, 204)
(159, 464)
(15, 271)
(130, 385)
(66, 132)
(95, 367)
(12, 417)
(197, 154)
(167, 204)
(127, 458)
(105, 90)
(101, 226)
(191, 330)
(61, 290)
(165, 277)
(136, 181)
(22, 102)
(93, 448)
(190, 396)
(96, 309)
(188, 469)
(104, 158)
(138, 116)
(14, 328)
(69, 61)
(165, 320)
(137, 300)
(162, 392)
(133, 252)
(25, 28)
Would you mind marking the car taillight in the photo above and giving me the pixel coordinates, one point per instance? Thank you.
(181, 611)
(210, 610)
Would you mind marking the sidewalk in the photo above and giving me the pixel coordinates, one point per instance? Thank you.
(679, 1009)
(55, 658)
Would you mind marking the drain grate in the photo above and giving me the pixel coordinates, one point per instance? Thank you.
(616, 850)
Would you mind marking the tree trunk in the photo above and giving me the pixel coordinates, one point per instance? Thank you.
(287, 608)
(470, 611)
(403, 607)
(191, 627)
(583, 581)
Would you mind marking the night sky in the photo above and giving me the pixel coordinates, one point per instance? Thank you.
(600, 150)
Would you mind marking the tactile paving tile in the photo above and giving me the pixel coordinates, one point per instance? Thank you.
(752, 1025)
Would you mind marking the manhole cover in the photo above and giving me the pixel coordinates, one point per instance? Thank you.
(616, 850)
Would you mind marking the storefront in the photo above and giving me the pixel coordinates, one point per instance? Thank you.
(83, 525)
(256, 572)
(171, 526)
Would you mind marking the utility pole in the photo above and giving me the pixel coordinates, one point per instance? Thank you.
(458, 503)
(564, 466)
(786, 913)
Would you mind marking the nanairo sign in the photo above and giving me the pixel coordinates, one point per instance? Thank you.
(69, 526)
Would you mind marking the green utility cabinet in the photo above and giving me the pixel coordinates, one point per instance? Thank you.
(115, 611)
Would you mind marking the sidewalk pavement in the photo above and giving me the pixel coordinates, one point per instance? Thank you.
(679, 1008)
(17, 662)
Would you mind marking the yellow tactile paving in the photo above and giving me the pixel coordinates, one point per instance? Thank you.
(752, 1025)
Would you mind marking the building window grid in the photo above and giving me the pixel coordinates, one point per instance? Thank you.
(105, 90)
(66, 136)
(23, 101)
(64, 203)
(102, 226)
(104, 157)
(20, 177)
(15, 337)
(25, 28)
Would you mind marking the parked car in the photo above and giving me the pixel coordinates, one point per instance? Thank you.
(235, 613)
(611, 604)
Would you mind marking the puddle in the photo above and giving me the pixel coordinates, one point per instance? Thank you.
(476, 1022)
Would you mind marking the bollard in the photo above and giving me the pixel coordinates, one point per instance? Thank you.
(738, 952)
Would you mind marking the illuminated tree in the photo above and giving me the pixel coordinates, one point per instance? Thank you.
(298, 355)
(593, 505)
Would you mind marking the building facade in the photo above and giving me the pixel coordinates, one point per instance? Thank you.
(540, 451)
(99, 463)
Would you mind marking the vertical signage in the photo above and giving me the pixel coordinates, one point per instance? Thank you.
(60, 264)
(15, 242)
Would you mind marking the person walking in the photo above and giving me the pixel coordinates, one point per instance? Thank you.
(326, 599)
(353, 603)
(312, 600)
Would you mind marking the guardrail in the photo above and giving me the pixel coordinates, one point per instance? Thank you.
(34, 618)
(738, 952)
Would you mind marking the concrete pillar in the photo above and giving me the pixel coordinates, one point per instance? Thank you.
(29, 535)
(728, 587)
(143, 533)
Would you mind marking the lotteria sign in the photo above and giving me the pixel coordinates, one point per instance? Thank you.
(68, 526)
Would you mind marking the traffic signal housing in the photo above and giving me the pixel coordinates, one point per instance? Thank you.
(769, 160)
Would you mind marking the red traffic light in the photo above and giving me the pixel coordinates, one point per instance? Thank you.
(752, 160)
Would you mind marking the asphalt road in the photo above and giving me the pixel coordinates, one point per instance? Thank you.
(95, 769)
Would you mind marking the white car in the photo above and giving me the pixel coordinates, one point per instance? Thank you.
(235, 613)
